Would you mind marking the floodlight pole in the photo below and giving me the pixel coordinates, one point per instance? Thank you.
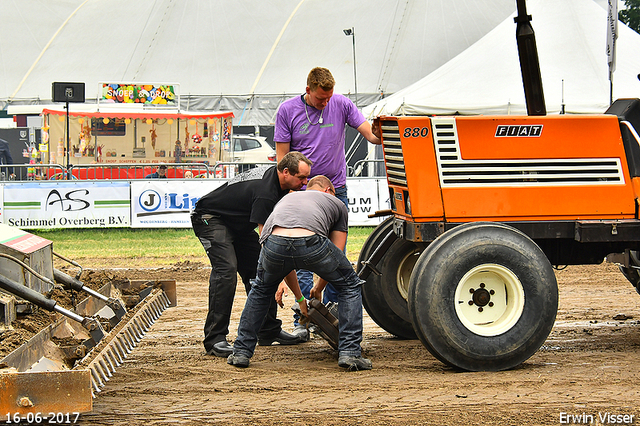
(351, 32)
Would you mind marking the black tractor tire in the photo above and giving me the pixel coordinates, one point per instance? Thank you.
(483, 297)
(632, 274)
(381, 296)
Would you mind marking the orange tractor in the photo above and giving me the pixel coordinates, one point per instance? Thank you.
(485, 207)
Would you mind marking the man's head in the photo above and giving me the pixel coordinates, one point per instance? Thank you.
(294, 170)
(321, 183)
(320, 85)
(162, 170)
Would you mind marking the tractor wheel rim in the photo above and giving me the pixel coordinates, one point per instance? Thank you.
(489, 300)
(405, 268)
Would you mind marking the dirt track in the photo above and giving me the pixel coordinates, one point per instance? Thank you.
(588, 367)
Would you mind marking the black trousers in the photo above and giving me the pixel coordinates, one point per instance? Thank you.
(229, 253)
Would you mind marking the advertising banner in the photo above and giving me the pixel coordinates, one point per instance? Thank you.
(365, 199)
(133, 93)
(75, 204)
(166, 203)
(163, 203)
(153, 203)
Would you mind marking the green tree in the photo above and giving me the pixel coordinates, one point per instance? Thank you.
(631, 14)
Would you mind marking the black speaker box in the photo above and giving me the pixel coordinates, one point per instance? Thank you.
(67, 92)
(629, 110)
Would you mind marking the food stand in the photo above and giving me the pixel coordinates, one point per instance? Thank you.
(137, 137)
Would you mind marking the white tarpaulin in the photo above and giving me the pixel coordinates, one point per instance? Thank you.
(245, 56)
(486, 78)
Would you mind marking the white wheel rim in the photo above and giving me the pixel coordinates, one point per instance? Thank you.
(405, 268)
(489, 300)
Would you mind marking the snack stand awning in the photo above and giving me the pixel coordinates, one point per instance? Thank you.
(153, 115)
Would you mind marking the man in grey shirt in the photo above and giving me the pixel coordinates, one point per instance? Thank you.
(306, 229)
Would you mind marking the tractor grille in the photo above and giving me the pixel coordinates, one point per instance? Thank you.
(455, 171)
(393, 158)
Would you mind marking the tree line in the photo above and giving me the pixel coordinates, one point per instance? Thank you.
(631, 14)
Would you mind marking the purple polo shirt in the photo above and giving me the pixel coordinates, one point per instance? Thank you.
(322, 143)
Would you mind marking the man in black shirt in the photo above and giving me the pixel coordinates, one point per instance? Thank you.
(224, 221)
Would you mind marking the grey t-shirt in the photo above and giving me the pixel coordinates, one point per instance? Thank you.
(313, 210)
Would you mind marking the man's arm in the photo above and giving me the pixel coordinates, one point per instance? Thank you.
(282, 148)
(339, 239)
(292, 282)
(370, 133)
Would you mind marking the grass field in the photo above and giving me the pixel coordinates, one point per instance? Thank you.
(154, 245)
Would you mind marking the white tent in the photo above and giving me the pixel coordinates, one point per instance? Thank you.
(243, 55)
(486, 78)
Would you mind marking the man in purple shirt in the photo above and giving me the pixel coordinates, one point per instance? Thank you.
(314, 124)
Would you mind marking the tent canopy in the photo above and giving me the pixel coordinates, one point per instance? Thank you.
(486, 78)
(245, 55)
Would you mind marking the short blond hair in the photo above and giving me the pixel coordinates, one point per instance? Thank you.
(320, 77)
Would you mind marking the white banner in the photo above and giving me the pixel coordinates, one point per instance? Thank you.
(75, 204)
(2, 206)
(153, 203)
(164, 203)
(365, 198)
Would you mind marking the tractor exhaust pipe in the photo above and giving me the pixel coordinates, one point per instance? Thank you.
(529, 65)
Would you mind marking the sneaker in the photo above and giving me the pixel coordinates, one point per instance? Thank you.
(354, 363)
(238, 360)
(302, 332)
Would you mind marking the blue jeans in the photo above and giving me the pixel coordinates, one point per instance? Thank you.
(229, 253)
(279, 256)
(305, 277)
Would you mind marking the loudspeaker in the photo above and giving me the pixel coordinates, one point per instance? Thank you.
(627, 110)
(67, 92)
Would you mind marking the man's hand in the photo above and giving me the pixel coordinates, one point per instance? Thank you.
(316, 293)
(316, 290)
(375, 129)
(283, 291)
(303, 308)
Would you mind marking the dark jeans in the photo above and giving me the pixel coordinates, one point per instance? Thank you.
(305, 277)
(229, 253)
(279, 256)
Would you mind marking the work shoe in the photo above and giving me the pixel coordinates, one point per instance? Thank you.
(354, 363)
(302, 332)
(238, 360)
(222, 349)
(283, 338)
